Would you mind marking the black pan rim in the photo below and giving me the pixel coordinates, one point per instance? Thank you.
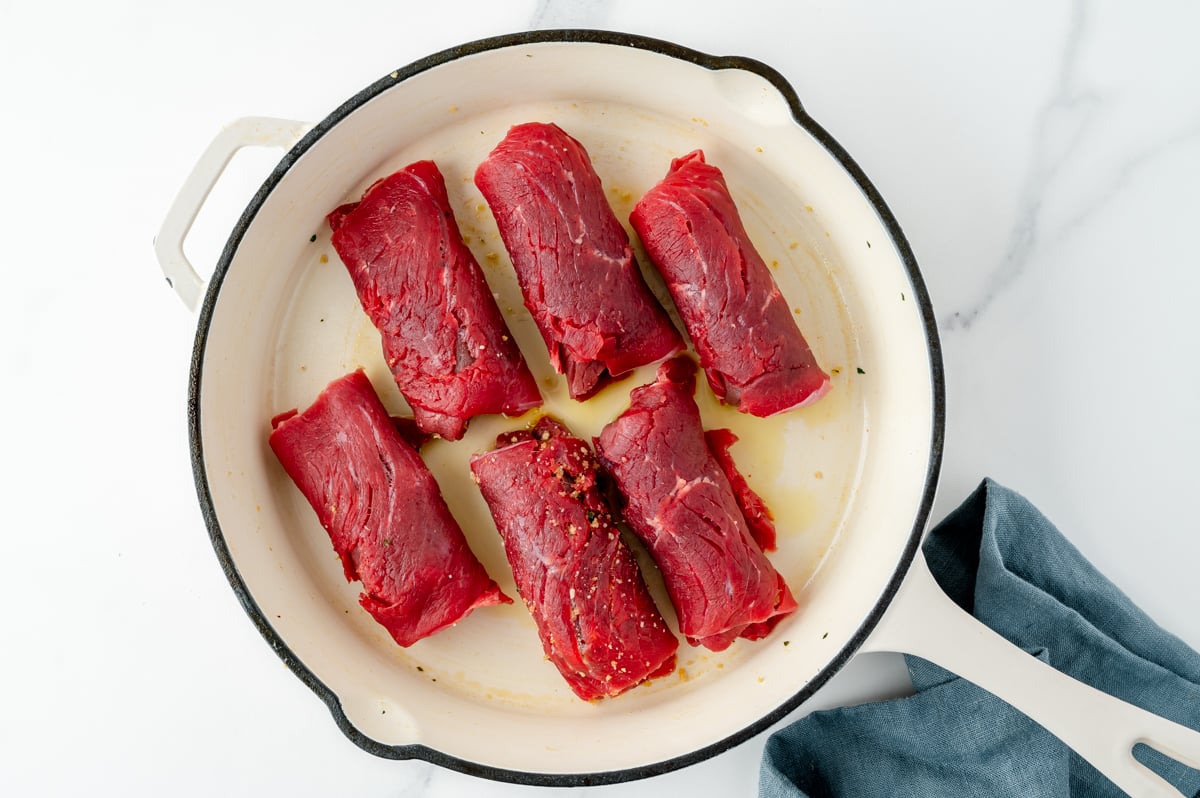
(933, 467)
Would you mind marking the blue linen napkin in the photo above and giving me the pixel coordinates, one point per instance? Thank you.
(1000, 559)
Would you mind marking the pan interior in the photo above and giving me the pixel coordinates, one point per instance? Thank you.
(844, 477)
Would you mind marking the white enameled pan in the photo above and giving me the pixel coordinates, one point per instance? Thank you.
(850, 479)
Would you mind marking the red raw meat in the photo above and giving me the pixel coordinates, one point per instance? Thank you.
(754, 509)
(752, 352)
(580, 581)
(412, 434)
(680, 503)
(443, 336)
(383, 511)
(573, 260)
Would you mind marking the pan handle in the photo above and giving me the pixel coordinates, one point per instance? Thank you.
(168, 244)
(924, 621)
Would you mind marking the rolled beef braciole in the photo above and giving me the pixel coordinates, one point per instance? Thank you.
(383, 511)
(573, 259)
(443, 336)
(751, 350)
(596, 619)
(680, 503)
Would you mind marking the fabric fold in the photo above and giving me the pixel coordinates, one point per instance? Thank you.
(999, 558)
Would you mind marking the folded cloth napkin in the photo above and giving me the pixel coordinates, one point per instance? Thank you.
(1001, 560)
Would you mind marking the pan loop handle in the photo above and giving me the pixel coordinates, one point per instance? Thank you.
(168, 244)
(924, 621)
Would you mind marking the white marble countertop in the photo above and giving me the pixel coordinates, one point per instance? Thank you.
(1043, 159)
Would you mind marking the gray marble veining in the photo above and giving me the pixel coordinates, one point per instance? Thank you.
(569, 14)
(1051, 203)
(1060, 125)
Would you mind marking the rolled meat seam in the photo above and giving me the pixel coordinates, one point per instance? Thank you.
(581, 583)
(573, 260)
(383, 511)
(754, 509)
(443, 336)
(680, 503)
(753, 354)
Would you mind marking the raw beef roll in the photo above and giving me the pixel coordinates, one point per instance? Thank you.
(752, 352)
(682, 506)
(383, 511)
(573, 260)
(596, 620)
(443, 336)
